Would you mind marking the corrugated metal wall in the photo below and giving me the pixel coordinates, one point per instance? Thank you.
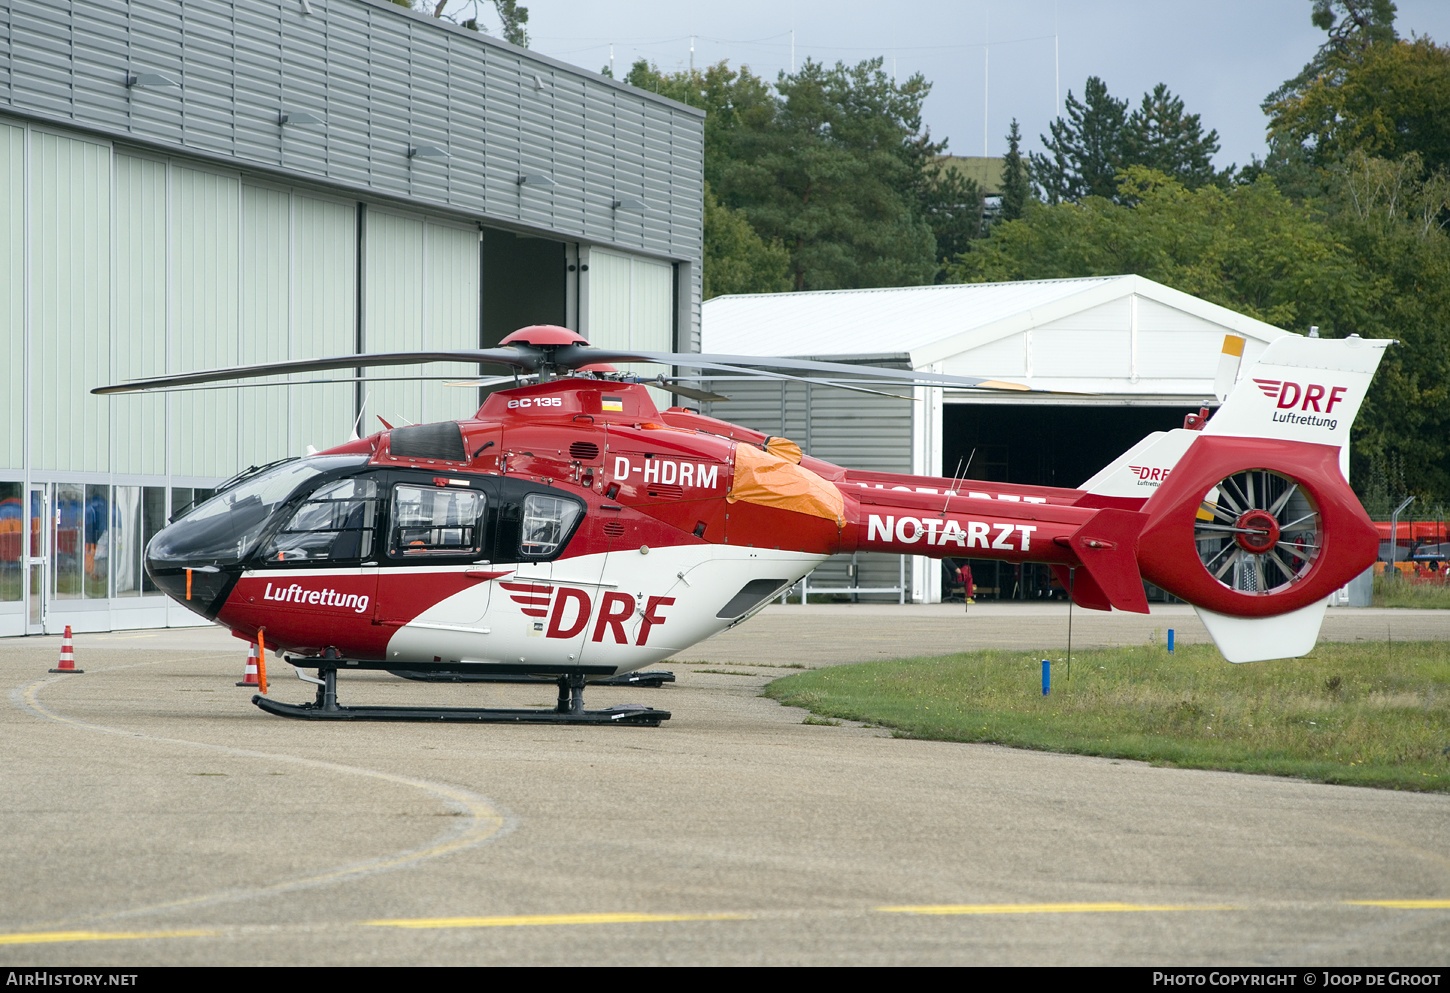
(147, 229)
(421, 280)
(381, 80)
(141, 309)
(631, 307)
(69, 301)
(204, 291)
(323, 315)
(12, 296)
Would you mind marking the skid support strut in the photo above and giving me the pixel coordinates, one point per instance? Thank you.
(569, 710)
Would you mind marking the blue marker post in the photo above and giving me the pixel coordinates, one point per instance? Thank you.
(1046, 677)
(1170, 641)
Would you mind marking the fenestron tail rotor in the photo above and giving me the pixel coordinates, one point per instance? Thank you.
(1258, 531)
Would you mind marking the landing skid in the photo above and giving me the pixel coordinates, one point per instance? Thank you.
(653, 678)
(568, 710)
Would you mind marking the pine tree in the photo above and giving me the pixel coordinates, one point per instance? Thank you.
(1015, 185)
(1089, 151)
(1085, 151)
(1161, 136)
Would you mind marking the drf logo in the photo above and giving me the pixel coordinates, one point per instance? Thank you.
(1149, 474)
(570, 609)
(1287, 395)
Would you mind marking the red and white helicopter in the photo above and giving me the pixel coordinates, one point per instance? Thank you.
(570, 530)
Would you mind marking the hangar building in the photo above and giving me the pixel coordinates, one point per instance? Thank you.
(1128, 355)
(194, 185)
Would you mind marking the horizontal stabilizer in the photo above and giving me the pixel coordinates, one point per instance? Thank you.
(1080, 586)
(1107, 546)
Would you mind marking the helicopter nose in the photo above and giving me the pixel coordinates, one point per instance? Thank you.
(202, 590)
(198, 587)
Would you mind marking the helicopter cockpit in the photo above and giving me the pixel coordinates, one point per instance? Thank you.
(337, 511)
(197, 557)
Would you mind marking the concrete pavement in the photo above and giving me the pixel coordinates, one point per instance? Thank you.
(154, 816)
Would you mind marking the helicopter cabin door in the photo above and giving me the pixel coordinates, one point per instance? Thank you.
(550, 594)
(436, 566)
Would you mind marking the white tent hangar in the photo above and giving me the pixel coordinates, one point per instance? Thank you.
(1126, 354)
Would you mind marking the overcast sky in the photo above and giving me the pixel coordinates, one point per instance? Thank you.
(1222, 57)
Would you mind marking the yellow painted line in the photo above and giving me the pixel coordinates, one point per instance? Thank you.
(536, 920)
(1043, 908)
(43, 937)
(1403, 904)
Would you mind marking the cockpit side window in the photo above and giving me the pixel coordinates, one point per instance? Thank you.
(429, 521)
(548, 521)
(335, 525)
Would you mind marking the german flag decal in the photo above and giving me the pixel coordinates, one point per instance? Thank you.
(615, 404)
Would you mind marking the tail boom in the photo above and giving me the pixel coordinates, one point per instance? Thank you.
(1103, 543)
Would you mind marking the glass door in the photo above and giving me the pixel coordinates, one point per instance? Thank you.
(37, 528)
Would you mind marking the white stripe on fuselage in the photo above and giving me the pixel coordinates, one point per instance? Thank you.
(628, 610)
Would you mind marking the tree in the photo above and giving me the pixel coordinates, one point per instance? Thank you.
(1248, 248)
(1099, 139)
(1406, 417)
(1016, 187)
(737, 260)
(953, 206)
(832, 163)
(833, 177)
(1388, 100)
(1085, 151)
(1372, 261)
(1361, 138)
(1353, 26)
(1159, 135)
(512, 17)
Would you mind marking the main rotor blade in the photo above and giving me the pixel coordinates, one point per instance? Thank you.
(473, 383)
(670, 386)
(576, 355)
(482, 356)
(757, 374)
(343, 381)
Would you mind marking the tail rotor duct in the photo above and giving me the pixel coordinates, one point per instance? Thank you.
(1258, 531)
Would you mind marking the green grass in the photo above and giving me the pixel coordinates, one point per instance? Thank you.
(1403, 593)
(1366, 714)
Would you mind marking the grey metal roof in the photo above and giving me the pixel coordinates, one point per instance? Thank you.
(928, 323)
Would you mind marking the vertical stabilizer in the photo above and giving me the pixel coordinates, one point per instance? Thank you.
(1302, 389)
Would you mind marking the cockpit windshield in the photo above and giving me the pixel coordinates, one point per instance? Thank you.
(223, 530)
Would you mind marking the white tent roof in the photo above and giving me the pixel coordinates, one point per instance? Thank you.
(1123, 335)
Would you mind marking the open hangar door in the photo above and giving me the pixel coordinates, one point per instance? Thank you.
(1039, 444)
(523, 280)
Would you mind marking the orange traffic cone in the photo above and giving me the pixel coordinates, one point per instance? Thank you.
(249, 675)
(67, 654)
